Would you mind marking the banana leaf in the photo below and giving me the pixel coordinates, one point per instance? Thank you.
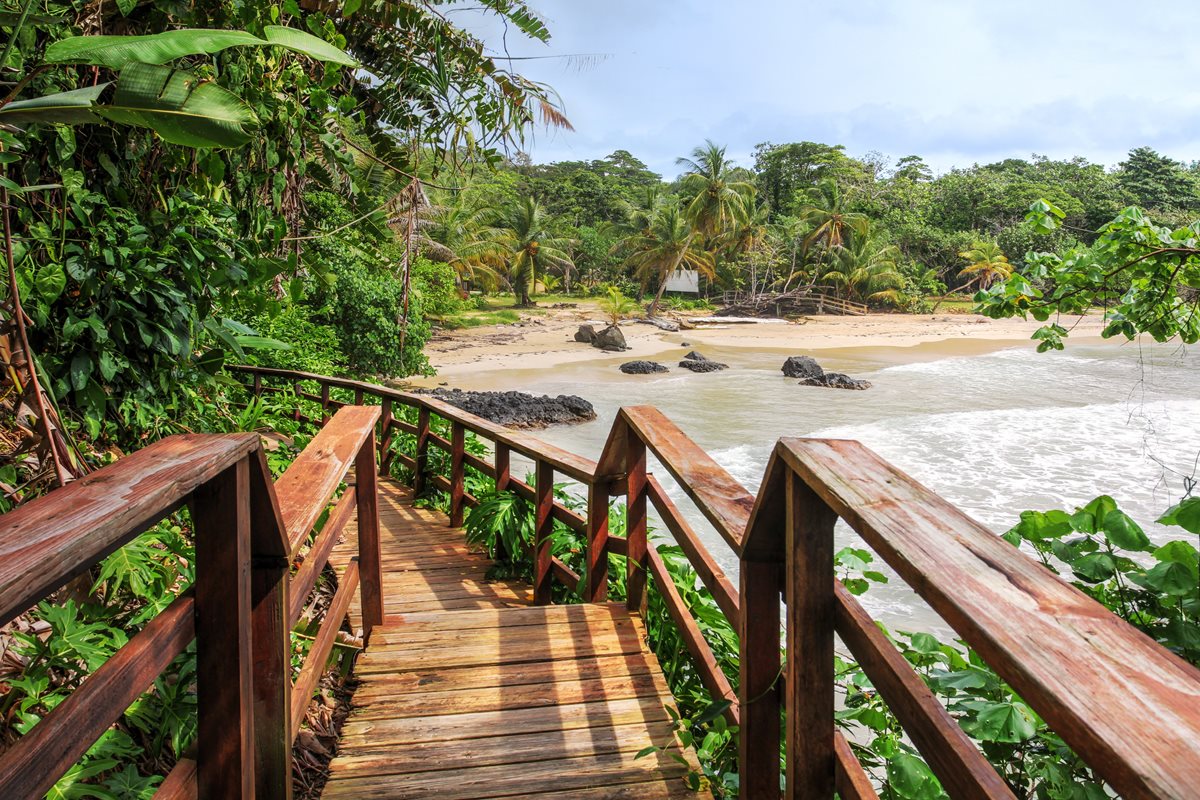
(116, 52)
(75, 107)
(179, 107)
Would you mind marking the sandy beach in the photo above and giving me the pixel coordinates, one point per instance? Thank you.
(544, 339)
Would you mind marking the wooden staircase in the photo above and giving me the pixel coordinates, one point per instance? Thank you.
(468, 690)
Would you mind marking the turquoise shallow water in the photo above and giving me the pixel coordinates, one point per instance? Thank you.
(994, 433)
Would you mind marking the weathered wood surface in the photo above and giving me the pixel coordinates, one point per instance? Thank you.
(75, 526)
(305, 487)
(1126, 705)
(722, 500)
(468, 690)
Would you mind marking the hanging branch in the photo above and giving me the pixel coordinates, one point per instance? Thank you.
(64, 466)
(416, 196)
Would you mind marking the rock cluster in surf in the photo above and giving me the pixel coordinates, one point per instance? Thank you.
(517, 409)
(699, 363)
(810, 373)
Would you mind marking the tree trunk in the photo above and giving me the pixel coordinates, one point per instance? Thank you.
(662, 287)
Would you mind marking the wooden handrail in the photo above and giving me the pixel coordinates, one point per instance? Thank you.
(49, 541)
(1094, 678)
(1097, 681)
(236, 610)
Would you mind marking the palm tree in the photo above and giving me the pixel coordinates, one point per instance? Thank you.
(521, 241)
(866, 269)
(666, 247)
(831, 221)
(986, 264)
(455, 233)
(714, 190)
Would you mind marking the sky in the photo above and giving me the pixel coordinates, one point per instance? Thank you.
(957, 82)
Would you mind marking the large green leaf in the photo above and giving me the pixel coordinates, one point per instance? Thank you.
(75, 107)
(306, 44)
(116, 52)
(179, 107)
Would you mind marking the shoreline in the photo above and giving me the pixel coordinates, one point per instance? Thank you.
(473, 356)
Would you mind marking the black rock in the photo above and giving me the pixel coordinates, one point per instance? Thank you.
(586, 334)
(517, 409)
(836, 380)
(695, 365)
(802, 367)
(694, 356)
(642, 367)
(610, 339)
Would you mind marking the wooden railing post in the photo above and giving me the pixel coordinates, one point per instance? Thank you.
(458, 447)
(369, 575)
(257, 385)
(541, 534)
(503, 467)
(224, 676)
(596, 576)
(324, 404)
(503, 463)
(810, 614)
(270, 638)
(758, 691)
(385, 437)
(637, 561)
(296, 390)
(421, 457)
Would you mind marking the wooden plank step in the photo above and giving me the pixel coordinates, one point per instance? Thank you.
(518, 748)
(387, 684)
(492, 618)
(417, 637)
(504, 781)
(501, 698)
(481, 724)
(395, 658)
(453, 604)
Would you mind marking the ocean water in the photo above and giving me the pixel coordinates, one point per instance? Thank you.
(994, 433)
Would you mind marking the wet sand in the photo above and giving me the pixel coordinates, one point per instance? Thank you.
(545, 341)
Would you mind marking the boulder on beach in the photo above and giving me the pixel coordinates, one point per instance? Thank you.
(802, 367)
(642, 367)
(517, 409)
(610, 339)
(811, 373)
(697, 362)
(585, 334)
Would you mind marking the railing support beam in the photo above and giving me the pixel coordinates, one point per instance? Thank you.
(637, 560)
(810, 618)
(596, 576)
(543, 529)
(458, 448)
(758, 687)
(224, 675)
(421, 457)
(369, 557)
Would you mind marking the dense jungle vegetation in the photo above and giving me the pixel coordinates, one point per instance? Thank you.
(317, 184)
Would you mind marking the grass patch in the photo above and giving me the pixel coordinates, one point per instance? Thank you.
(479, 319)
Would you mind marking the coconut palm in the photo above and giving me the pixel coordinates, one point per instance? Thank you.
(832, 222)
(520, 240)
(986, 264)
(453, 233)
(668, 246)
(712, 190)
(866, 270)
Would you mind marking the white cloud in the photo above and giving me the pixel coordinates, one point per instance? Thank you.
(957, 81)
